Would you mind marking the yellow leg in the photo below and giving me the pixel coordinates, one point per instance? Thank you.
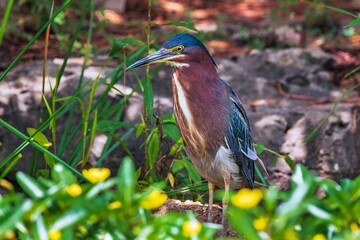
(225, 199)
(211, 201)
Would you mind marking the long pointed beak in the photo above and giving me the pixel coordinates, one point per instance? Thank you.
(159, 56)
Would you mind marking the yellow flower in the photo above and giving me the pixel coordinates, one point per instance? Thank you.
(191, 228)
(260, 223)
(74, 190)
(54, 234)
(247, 198)
(6, 184)
(154, 200)
(10, 235)
(354, 227)
(115, 205)
(95, 175)
(291, 234)
(319, 236)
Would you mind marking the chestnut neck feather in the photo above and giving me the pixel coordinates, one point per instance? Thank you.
(207, 102)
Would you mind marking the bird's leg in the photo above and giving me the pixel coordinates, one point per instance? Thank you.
(225, 199)
(211, 201)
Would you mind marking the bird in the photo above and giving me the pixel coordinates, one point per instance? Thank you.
(210, 117)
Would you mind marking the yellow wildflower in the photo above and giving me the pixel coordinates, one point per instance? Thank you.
(54, 234)
(319, 236)
(154, 200)
(10, 235)
(74, 190)
(6, 184)
(95, 175)
(354, 227)
(247, 198)
(291, 234)
(260, 223)
(115, 205)
(136, 229)
(191, 228)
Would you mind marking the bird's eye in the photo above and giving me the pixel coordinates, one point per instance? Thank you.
(179, 49)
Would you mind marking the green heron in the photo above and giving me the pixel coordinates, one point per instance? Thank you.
(210, 117)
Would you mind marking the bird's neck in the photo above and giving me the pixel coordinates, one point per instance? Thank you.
(200, 106)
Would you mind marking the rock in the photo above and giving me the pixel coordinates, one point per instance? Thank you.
(287, 94)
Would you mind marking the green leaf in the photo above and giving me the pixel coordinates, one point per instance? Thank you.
(50, 161)
(39, 137)
(171, 130)
(30, 185)
(319, 213)
(243, 226)
(127, 181)
(260, 148)
(192, 171)
(140, 129)
(187, 24)
(110, 126)
(14, 216)
(148, 97)
(61, 174)
(154, 146)
(353, 23)
(70, 218)
(341, 11)
(120, 44)
(289, 161)
(40, 231)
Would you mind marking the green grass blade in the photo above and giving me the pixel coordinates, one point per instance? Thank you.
(29, 140)
(333, 109)
(13, 63)
(5, 19)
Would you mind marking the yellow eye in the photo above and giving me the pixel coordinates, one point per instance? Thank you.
(179, 49)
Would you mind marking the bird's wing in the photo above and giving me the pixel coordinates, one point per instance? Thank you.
(239, 139)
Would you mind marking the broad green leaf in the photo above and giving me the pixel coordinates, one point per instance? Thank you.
(100, 187)
(241, 221)
(127, 181)
(45, 173)
(40, 231)
(39, 137)
(319, 213)
(14, 217)
(61, 174)
(153, 150)
(171, 130)
(148, 97)
(30, 185)
(289, 161)
(192, 171)
(140, 129)
(49, 160)
(260, 148)
(70, 218)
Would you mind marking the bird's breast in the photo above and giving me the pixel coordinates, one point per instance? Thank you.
(201, 115)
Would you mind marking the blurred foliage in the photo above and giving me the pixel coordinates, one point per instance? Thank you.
(61, 207)
(311, 208)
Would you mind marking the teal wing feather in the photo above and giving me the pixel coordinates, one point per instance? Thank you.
(239, 139)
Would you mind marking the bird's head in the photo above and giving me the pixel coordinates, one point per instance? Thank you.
(178, 51)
